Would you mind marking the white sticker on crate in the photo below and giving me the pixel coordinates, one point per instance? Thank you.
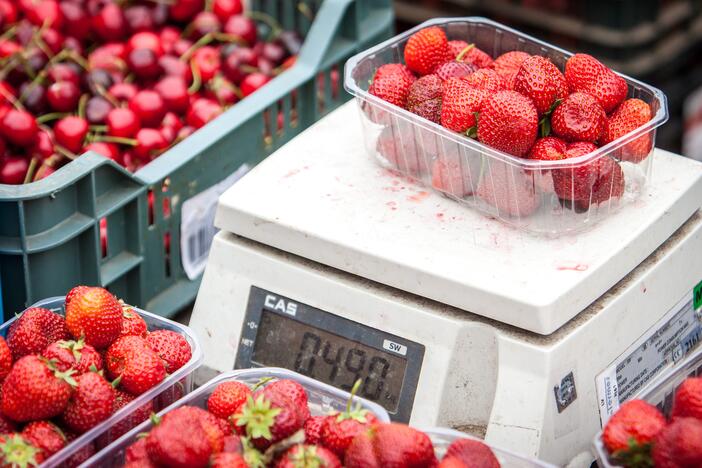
(666, 343)
(197, 224)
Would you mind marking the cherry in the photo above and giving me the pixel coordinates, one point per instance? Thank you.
(226, 8)
(289, 62)
(205, 23)
(44, 13)
(8, 47)
(159, 13)
(150, 143)
(34, 97)
(207, 61)
(98, 80)
(24, 31)
(253, 82)
(185, 132)
(149, 107)
(169, 35)
(265, 66)
(291, 40)
(174, 92)
(122, 123)
(169, 133)
(72, 44)
(232, 66)
(19, 127)
(109, 150)
(131, 162)
(64, 72)
(144, 63)
(173, 66)
(44, 146)
(139, 18)
(6, 90)
(145, 40)
(36, 60)
(172, 120)
(44, 171)
(202, 111)
(75, 21)
(96, 110)
(63, 96)
(123, 91)
(70, 132)
(110, 23)
(8, 11)
(245, 28)
(3, 148)
(13, 170)
(184, 10)
(273, 52)
(181, 46)
(223, 91)
(53, 39)
(107, 57)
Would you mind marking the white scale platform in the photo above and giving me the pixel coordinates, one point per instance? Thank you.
(323, 198)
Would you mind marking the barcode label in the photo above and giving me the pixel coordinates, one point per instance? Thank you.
(197, 229)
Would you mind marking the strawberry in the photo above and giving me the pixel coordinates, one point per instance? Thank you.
(313, 429)
(136, 417)
(95, 314)
(170, 346)
(213, 427)
(6, 425)
(73, 293)
(391, 83)
(576, 183)
(83, 454)
(91, 403)
(228, 460)
(398, 150)
(630, 431)
(34, 389)
(509, 189)
(469, 53)
(472, 453)
(507, 66)
(45, 436)
(454, 69)
(426, 50)
(137, 451)
(548, 149)
(679, 444)
(34, 330)
(508, 122)
(143, 463)
(578, 118)
(424, 98)
(340, 429)
(179, 440)
(456, 174)
(267, 418)
(227, 398)
(16, 451)
(132, 323)
(232, 443)
(541, 81)
(586, 74)
(305, 456)
(74, 355)
(486, 79)
(452, 462)
(609, 182)
(391, 444)
(630, 115)
(294, 391)
(456, 47)
(139, 367)
(688, 399)
(460, 103)
(5, 359)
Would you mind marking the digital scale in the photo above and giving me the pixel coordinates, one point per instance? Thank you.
(331, 266)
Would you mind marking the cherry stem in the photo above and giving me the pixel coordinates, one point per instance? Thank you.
(81, 105)
(30, 171)
(98, 128)
(51, 116)
(305, 10)
(9, 33)
(105, 94)
(203, 41)
(248, 69)
(114, 139)
(462, 54)
(63, 151)
(78, 59)
(197, 79)
(18, 105)
(275, 26)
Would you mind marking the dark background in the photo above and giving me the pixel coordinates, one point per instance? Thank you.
(659, 42)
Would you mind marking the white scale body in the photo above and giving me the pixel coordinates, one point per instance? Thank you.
(502, 334)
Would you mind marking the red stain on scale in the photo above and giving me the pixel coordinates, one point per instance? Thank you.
(418, 197)
(392, 205)
(440, 216)
(295, 172)
(572, 267)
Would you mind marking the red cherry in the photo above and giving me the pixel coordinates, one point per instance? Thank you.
(273, 52)
(174, 92)
(43, 146)
(70, 132)
(222, 91)
(109, 150)
(207, 61)
(8, 12)
(122, 123)
(169, 133)
(253, 82)
(8, 48)
(6, 90)
(203, 111)
(75, 20)
(145, 40)
(73, 45)
(173, 66)
(181, 46)
(169, 35)
(184, 10)
(172, 120)
(204, 23)
(64, 72)
(63, 96)
(44, 171)
(53, 39)
(232, 66)
(96, 110)
(226, 8)
(185, 132)
(149, 107)
(19, 127)
(150, 143)
(107, 57)
(245, 28)
(13, 170)
(123, 91)
(44, 13)
(139, 18)
(144, 63)
(110, 23)
(3, 148)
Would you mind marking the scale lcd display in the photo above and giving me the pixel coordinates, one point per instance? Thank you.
(333, 359)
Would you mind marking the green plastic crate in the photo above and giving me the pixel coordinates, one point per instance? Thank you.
(49, 230)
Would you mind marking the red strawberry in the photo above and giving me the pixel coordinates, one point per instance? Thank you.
(472, 453)
(576, 183)
(424, 98)
(179, 440)
(578, 118)
(34, 389)
(45, 436)
(541, 81)
(391, 83)
(509, 189)
(399, 149)
(116, 353)
(340, 429)
(460, 103)
(679, 444)
(74, 355)
(632, 429)
(426, 50)
(91, 403)
(456, 47)
(468, 53)
(140, 368)
(586, 74)
(16, 451)
(630, 115)
(292, 390)
(547, 149)
(83, 454)
(456, 174)
(136, 417)
(5, 359)
(508, 122)
(73, 292)
(486, 79)
(313, 429)
(228, 460)
(227, 398)
(95, 314)
(609, 182)
(454, 69)
(688, 399)
(133, 323)
(508, 64)
(34, 330)
(268, 419)
(452, 462)
(172, 347)
(137, 451)
(213, 427)
(232, 443)
(390, 445)
(308, 456)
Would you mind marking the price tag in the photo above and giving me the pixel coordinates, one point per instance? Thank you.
(197, 224)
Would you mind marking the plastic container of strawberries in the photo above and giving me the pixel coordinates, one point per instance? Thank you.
(322, 399)
(659, 393)
(462, 168)
(171, 389)
(442, 438)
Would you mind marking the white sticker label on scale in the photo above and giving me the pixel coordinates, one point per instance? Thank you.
(197, 224)
(670, 340)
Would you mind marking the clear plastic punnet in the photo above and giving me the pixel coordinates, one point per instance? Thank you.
(322, 399)
(171, 389)
(517, 191)
(659, 393)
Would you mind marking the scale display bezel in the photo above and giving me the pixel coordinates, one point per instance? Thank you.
(336, 325)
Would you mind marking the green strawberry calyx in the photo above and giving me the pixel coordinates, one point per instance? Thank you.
(459, 57)
(252, 457)
(66, 376)
(257, 416)
(75, 347)
(352, 411)
(636, 455)
(19, 453)
(306, 457)
(545, 122)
